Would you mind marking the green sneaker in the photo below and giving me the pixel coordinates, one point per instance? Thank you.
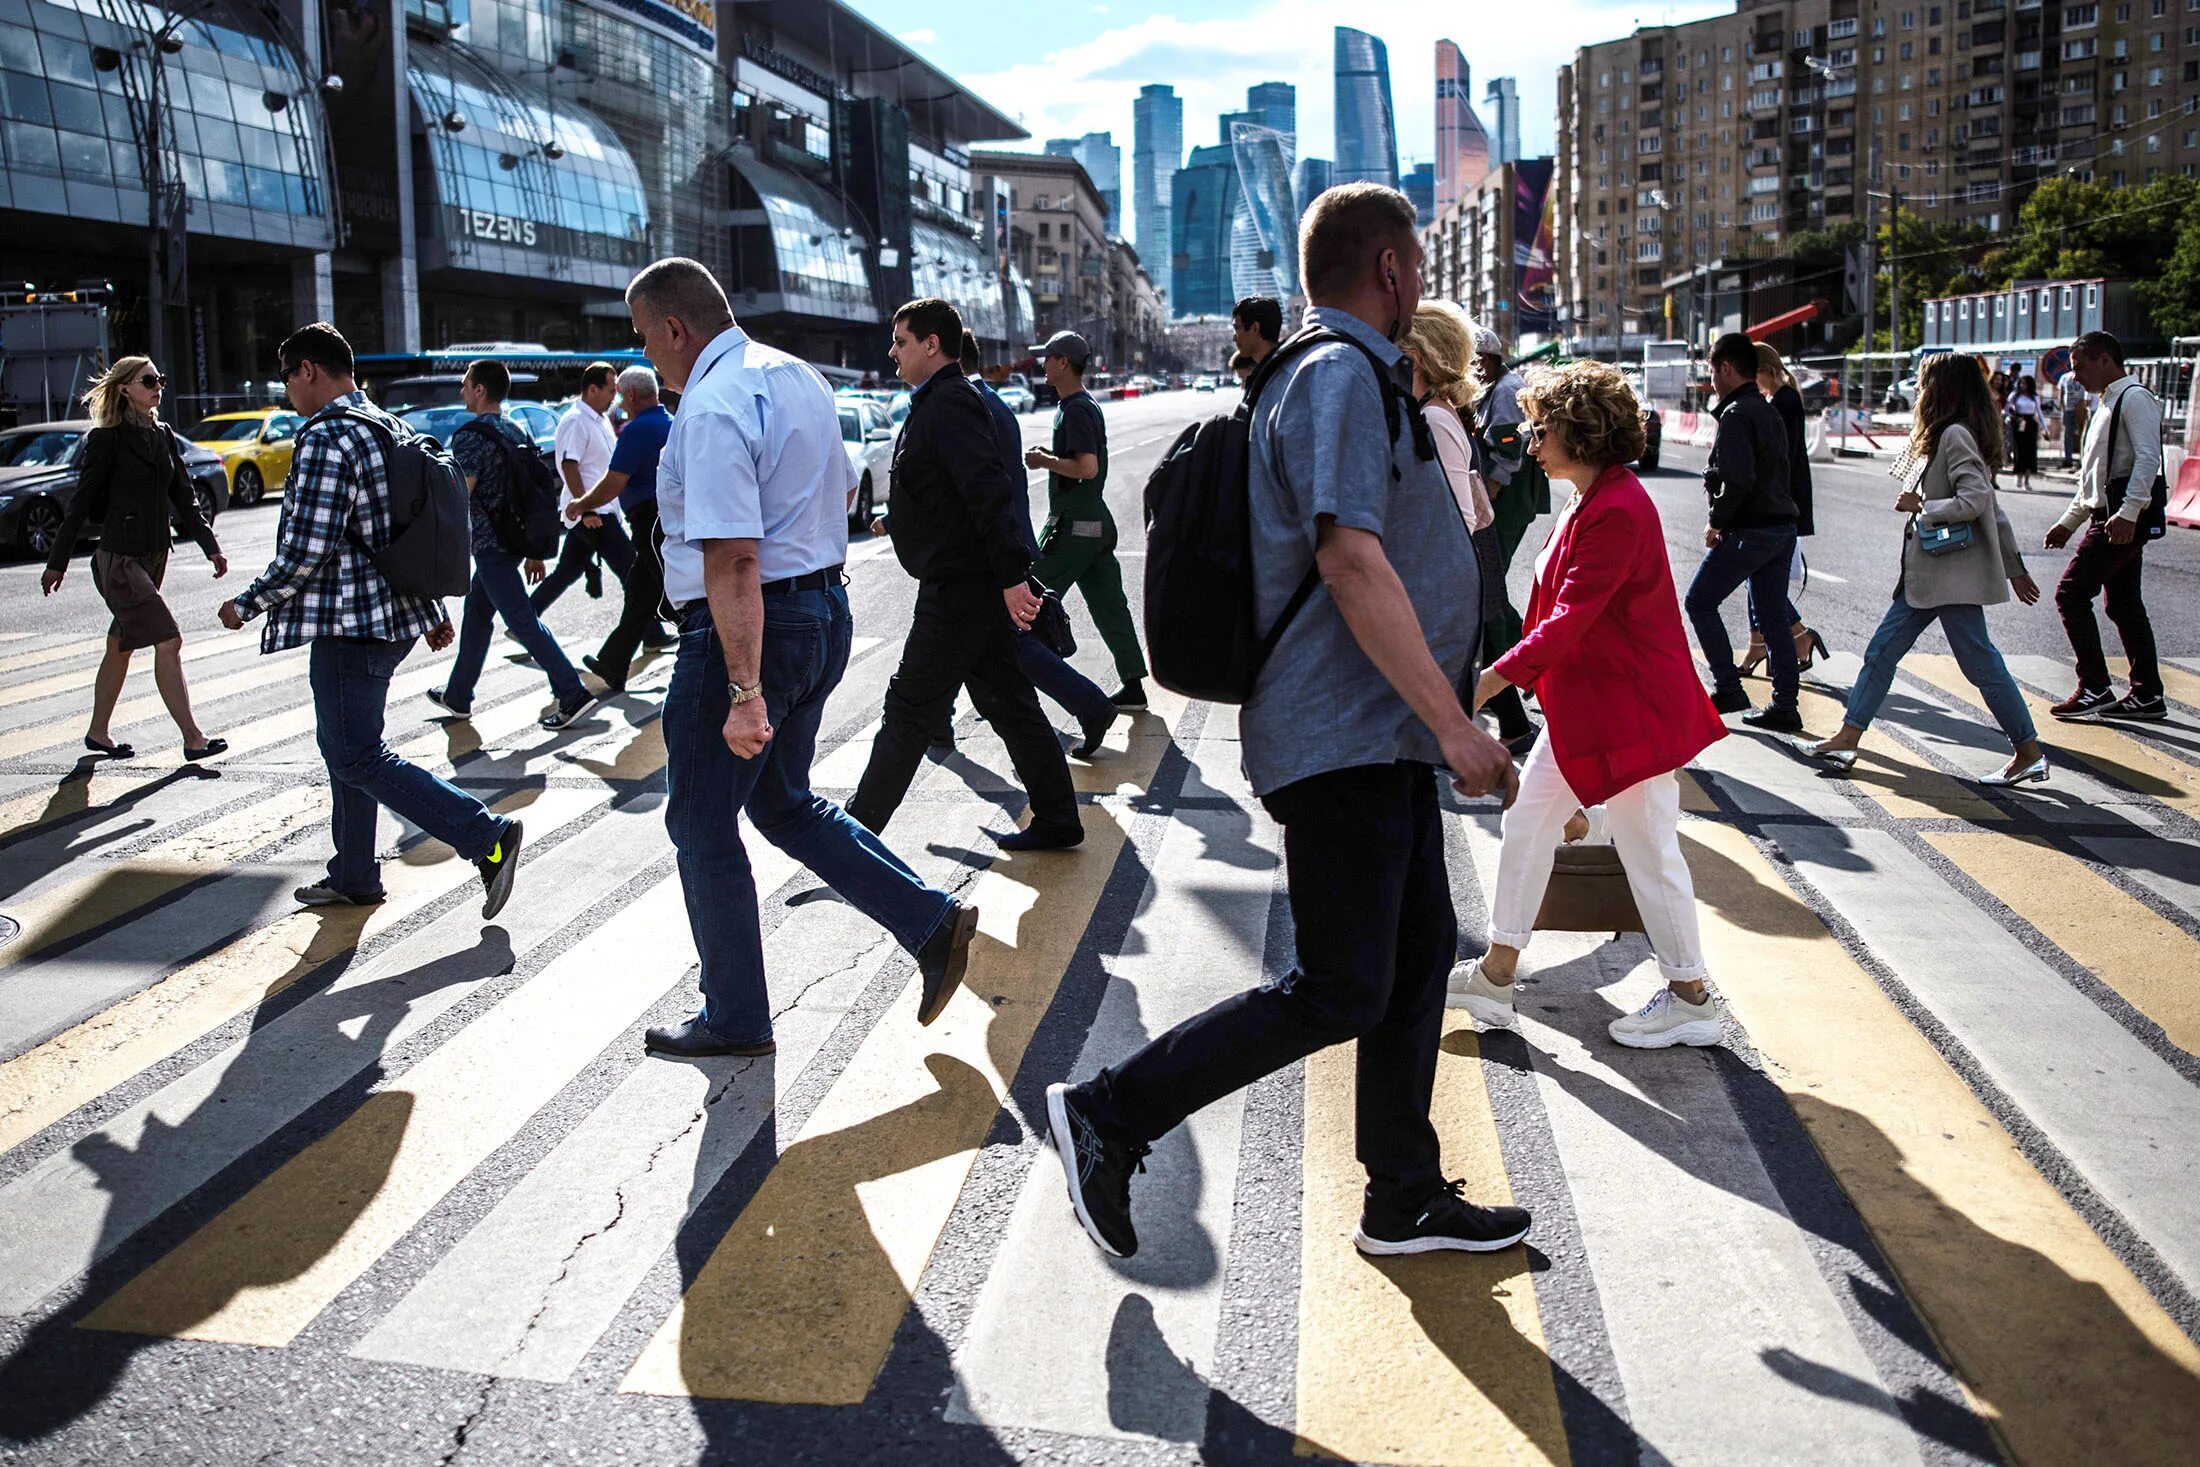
(497, 867)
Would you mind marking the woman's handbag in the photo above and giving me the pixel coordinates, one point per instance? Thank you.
(1944, 539)
(1588, 893)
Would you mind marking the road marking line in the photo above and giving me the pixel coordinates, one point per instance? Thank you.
(2182, 686)
(128, 715)
(82, 677)
(2016, 1288)
(57, 652)
(801, 1300)
(1455, 1340)
(1896, 781)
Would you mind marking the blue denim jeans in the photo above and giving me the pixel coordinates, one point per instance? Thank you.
(1083, 697)
(806, 642)
(1965, 627)
(350, 678)
(498, 591)
(1756, 623)
(1759, 559)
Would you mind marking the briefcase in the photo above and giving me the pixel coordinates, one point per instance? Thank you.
(1588, 893)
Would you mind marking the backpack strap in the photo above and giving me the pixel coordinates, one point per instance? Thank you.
(1395, 402)
(388, 436)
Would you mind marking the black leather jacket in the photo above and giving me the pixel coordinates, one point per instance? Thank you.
(130, 482)
(1747, 478)
(953, 506)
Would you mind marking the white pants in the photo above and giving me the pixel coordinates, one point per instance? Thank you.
(1644, 823)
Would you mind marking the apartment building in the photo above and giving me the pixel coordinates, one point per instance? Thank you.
(1723, 138)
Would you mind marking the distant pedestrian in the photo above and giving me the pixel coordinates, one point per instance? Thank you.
(1242, 367)
(1955, 438)
(1608, 661)
(954, 528)
(1751, 535)
(1519, 493)
(1077, 548)
(630, 482)
(2071, 394)
(1353, 715)
(752, 488)
(2024, 431)
(1777, 384)
(1256, 325)
(2119, 479)
(485, 446)
(322, 590)
(583, 445)
(132, 483)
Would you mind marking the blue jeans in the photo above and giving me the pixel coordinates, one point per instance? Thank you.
(806, 643)
(1965, 627)
(608, 543)
(1760, 559)
(1756, 623)
(1061, 682)
(350, 678)
(498, 591)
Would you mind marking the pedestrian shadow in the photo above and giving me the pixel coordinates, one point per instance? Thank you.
(72, 797)
(69, 1361)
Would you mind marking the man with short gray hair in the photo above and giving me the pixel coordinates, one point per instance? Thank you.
(631, 481)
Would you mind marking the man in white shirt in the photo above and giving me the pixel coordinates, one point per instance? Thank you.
(2070, 396)
(2120, 491)
(583, 450)
(752, 492)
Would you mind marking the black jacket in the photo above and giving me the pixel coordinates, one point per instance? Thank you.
(1747, 478)
(953, 505)
(1788, 403)
(129, 482)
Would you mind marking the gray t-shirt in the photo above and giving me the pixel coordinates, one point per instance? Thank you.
(1318, 449)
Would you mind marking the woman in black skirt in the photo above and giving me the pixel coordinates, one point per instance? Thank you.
(132, 483)
(2024, 430)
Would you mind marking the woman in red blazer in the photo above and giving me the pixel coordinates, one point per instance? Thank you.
(1605, 656)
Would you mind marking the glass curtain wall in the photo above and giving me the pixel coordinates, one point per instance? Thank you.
(816, 263)
(1367, 132)
(1268, 216)
(947, 264)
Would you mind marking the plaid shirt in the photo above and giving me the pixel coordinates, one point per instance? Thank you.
(319, 584)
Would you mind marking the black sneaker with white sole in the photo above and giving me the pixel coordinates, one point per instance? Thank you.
(569, 714)
(497, 867)
(2131, 708)
(1442, 1220)
(1098, 1171)
(2084, 703)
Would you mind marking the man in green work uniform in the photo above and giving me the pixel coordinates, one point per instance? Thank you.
(1078, 546)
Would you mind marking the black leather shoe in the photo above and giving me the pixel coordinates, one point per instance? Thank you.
(1735, 701)
(610, 684)
(1776, 719)
(690, 1040)
(1095, 735)
(943, 957)
(1037, 837)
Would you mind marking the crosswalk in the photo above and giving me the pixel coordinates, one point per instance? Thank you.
(1936, 1201)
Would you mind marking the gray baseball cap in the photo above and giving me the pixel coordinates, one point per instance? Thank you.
(1066, 344)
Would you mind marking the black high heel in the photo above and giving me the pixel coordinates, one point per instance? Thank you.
(1809, 647)
(112, 751)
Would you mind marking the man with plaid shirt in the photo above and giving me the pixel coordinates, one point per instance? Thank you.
(322, 590)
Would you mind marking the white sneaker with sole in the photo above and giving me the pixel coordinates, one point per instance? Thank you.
(1668, 1019)
(1490, 1003)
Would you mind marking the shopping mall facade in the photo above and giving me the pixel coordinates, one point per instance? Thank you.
(431, 172)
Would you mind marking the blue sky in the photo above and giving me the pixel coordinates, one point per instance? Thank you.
(1073, 67)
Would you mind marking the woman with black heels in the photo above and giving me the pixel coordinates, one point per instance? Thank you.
(1777, 383)
(2024, 431)
(132, 483)
(1959, 556)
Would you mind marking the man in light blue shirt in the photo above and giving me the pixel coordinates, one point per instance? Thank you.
(752, 491)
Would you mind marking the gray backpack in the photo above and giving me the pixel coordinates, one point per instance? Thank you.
(431, 546)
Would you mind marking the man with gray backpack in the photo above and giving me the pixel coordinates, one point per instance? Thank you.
(372, 535)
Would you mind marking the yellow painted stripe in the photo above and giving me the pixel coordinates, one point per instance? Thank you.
(78, 1065)
(60, 652)
(294, 722)
(2146, 959)
(2182, 686)
(1438, 1357)
(2105, 748)
(1696, 794)
(2063, 1350)
(801, 1299)
(194, 650)
(71, 795)
(113, 889)
(261, 1271)
(133, 711)
(1895, 780)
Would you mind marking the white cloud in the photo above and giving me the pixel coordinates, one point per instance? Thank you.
(923, 36)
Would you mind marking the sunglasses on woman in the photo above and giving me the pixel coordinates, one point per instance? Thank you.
(152, 381)
(1534, 434)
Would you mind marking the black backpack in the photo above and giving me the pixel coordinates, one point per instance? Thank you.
(532, 517)
(431, 535)
(1202, 633)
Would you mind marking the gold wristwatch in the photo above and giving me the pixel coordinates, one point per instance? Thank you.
(740, 695)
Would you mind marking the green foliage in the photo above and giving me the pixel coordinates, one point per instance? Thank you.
(2070, 229)
(2172, 298)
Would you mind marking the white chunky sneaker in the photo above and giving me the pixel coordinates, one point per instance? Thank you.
(1668, 1019)
(1490, 1003)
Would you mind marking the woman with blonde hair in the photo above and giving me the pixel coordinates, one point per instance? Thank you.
(132, 484)
(1623, 709)
(1777, 383)
(1959, 556)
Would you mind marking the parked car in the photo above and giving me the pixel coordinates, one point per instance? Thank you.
(1015, 390)
(38, 469)
(1203, 384)
(535, 420)
(869, 441)
(1902, 396)
(255, 449)
(1818, 391)
(1043, 394)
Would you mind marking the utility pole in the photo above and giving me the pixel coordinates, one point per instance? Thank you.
(1894, 269)
(1871, 266)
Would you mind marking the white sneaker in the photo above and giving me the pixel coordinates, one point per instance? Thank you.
(1668, 1019)
(1490, 1003)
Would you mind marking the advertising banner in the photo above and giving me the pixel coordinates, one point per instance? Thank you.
(1534, 272)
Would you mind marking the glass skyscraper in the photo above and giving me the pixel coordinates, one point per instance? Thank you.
(1419, 186)
(1205, 206)
(1273, 105)
(1157, 149)
(1309, 179)
(1264, 237)
(1504, 101)
(1462, 147)
(1103, 162)
(1367, 130)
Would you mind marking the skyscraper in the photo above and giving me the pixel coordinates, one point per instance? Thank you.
(1275, 105)
(1462, 147)
(1309, 179)
(1103, 162)
(1367, 131)
(1420, 190)
(1504, 102)
(1157, 150)
(1264, 235)
(1204, 206)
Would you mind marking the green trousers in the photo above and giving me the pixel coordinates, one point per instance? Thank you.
(1081, 553)
(1515, 511)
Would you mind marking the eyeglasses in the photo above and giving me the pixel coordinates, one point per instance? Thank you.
(1535, 434)
(290, 372)
(152, 381)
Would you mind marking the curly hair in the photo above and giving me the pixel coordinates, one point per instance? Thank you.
(1443, 343)
(1592, 410)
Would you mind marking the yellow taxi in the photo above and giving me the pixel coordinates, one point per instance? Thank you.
(255, 449)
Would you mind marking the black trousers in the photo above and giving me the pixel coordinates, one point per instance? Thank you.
(645, 587)
(1363, 854)
(2100, 567)
(960, 637)
(580, 550)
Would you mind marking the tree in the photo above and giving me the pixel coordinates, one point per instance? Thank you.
(2172, 298)
(2070, 229)
(1931, 260)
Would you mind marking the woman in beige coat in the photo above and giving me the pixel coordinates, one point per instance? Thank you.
(1959, 556)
